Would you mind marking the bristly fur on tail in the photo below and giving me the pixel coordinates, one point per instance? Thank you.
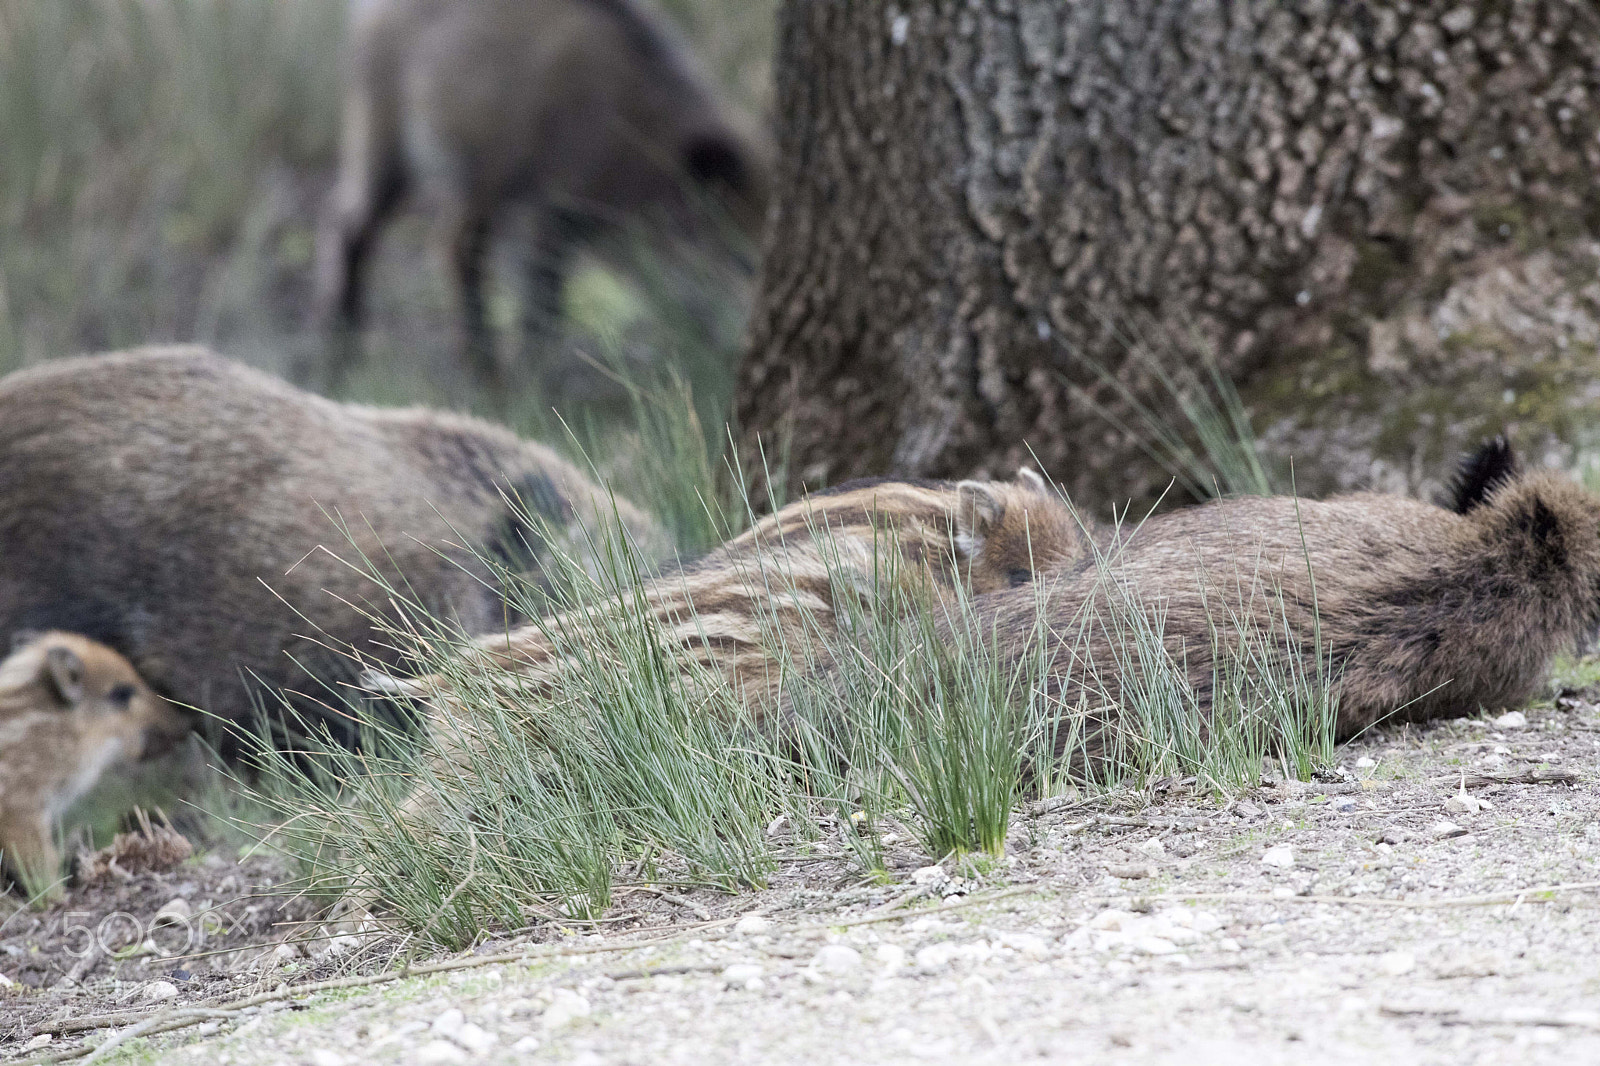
(1485, 469)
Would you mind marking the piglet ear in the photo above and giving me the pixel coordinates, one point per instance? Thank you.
(65, 672)
(1032, 481)
(978, 511)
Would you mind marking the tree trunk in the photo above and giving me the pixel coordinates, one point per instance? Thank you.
(1380, 217)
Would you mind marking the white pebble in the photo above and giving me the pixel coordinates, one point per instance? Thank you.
(1112, 919)
(1467, 803)
(1204, 922)
(439, 1053)
(323, 1057)
(1444, 830)
(1396, 963)
(1152, 847)
(1365, 763)
(1030, 944)
(475, 1038)
(526, 1046)
(741, 973)
(1153, 945)
(1280, 856)
(174, 911)
(156, 991)
(1511, 720)
(449, 1023)
(935, 956)
(836, 958)
(891, 956)
(929, 875)
(751, 925)
(565, 1005)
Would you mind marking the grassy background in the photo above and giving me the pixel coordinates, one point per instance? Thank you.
(164, 166)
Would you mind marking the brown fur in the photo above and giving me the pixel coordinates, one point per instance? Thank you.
(1422, 612)
(587, 112)
(70, 709)
(179, 507)
(768, 601)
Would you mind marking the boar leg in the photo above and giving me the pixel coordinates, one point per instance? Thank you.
(546, 259)
(367, 195)
(466, 244)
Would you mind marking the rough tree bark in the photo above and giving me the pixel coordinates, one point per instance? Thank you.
(1381, 216)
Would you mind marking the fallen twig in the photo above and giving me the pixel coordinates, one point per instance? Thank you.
(1452, 1016)
(1510, 777)
(672, 897)
(1516, 898)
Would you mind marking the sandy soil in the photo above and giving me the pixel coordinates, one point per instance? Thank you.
(1404, 915)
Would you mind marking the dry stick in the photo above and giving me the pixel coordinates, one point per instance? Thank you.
(672, 897)
(1524, 777)
(1452, 1016)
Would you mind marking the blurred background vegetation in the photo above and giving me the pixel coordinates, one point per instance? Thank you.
(166, 163)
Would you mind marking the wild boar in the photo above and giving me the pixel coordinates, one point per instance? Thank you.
(586, 113)
(70, 709)
(217, 527)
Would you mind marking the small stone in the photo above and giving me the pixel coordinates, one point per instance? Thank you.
(751, 925)
(1029, 944)
(439, 1053)
(1128, 871)
(929, 875)
(891, 956)
(323, 1057)
(1153, 945)
(741, 973)
(1280, 856)
(174, 911)
(935, 956)
(1112, 920)
(474, 1038)
(38, 1042)
(1365, 763)
(156, 991)
(526, 1046)
(1444, 830)
(565, 1006)
(342, 944)
(1467, 803)
(836, 958)
(1153, 848)
(448, 1024)
(6, 982)
(1397, 963)
(1205, 922)
(1511, 720)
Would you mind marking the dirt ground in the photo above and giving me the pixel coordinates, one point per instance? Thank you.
(1439, 905)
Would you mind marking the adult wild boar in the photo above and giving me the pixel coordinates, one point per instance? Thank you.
(186, 511)
(588, 113)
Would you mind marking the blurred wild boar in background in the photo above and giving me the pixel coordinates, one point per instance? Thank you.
(588, 114)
